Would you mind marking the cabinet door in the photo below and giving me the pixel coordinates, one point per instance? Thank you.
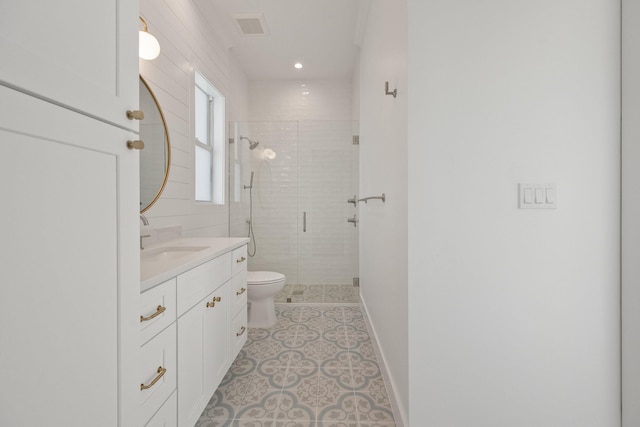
(80, 54)
(217, 349)
(191, 379)
(158, 371)
(70, 272)
(202, 354)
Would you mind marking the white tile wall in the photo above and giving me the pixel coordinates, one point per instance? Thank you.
(301, 100)
(313, 173)
(187, 41)
(309, 125)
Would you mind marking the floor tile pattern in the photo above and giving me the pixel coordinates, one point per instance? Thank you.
(315, 368)
(332, 294)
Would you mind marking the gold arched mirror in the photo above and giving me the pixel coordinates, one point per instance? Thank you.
(155, 158)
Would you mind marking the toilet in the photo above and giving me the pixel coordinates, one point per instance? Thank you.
(262, 287)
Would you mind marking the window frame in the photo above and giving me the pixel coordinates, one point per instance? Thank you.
(215, 145)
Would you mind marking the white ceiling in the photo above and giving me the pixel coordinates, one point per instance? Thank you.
(322, 34)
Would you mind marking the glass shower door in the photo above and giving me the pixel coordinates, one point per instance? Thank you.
(328, 177)
(271, 205)
(297, 205)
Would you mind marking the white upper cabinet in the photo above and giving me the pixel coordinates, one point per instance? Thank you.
(81, 54)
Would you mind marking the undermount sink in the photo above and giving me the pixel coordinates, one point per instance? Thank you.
(169, 252)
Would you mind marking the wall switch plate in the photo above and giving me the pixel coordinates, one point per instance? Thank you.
(537, 196)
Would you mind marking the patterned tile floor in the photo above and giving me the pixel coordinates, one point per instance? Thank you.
(315, 368)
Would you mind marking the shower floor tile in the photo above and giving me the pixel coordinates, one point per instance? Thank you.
(315, 368)
(312, 294)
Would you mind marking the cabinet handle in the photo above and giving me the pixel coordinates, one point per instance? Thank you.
(213, 302)
(137, 145)
(158, 312)
(135, 115)
(241, 291)
(242, 259)
(161, 372)
(242, 331)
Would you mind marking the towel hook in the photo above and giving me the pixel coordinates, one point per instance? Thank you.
(387, 92)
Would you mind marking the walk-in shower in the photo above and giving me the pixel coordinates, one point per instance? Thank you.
(313, 175)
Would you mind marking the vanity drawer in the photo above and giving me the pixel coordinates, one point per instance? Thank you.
(239, 291)
(200, 281)
(157, 371)
(167, 416)
(239, 330)
(239, 260)
(157, 309)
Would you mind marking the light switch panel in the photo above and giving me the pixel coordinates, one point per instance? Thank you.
(537, 196)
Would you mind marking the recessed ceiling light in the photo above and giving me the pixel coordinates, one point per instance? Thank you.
(298, 65)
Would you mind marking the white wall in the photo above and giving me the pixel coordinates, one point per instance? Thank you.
(188, 41)
(383, 169)
(514, 314)
(630, 213)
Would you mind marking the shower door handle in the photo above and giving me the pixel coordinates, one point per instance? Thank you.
(304, 222)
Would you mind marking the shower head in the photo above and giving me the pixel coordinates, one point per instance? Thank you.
(252, 144)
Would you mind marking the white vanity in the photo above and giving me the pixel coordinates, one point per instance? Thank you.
(193, 323)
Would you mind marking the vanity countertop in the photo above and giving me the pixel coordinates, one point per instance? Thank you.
(162, 261)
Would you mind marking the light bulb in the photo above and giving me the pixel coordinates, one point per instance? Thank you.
(149, 46)
(269, 153)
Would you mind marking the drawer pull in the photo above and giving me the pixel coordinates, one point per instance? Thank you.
(242, 259)
(213, 302)
(161, 372)
(241, 291)
(242, 331)
(158, 312)
(135, 115)
(135, 145)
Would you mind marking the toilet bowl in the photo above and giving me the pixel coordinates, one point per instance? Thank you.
(262, 287)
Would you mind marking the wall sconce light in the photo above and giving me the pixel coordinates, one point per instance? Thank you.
(269, 153)
(149, 48)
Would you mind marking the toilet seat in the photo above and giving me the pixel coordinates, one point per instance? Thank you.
(263, 277)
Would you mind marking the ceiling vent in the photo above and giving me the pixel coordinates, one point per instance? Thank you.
(251, 24)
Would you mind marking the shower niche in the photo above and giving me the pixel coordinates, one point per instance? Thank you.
(295, 208)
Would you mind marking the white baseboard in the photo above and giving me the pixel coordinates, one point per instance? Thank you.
(399, 413)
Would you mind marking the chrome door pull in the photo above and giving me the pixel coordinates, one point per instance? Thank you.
(304, 222)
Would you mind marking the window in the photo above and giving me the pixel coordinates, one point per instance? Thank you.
(209, 142)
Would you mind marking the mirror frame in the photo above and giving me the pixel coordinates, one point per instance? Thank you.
(168, 147)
